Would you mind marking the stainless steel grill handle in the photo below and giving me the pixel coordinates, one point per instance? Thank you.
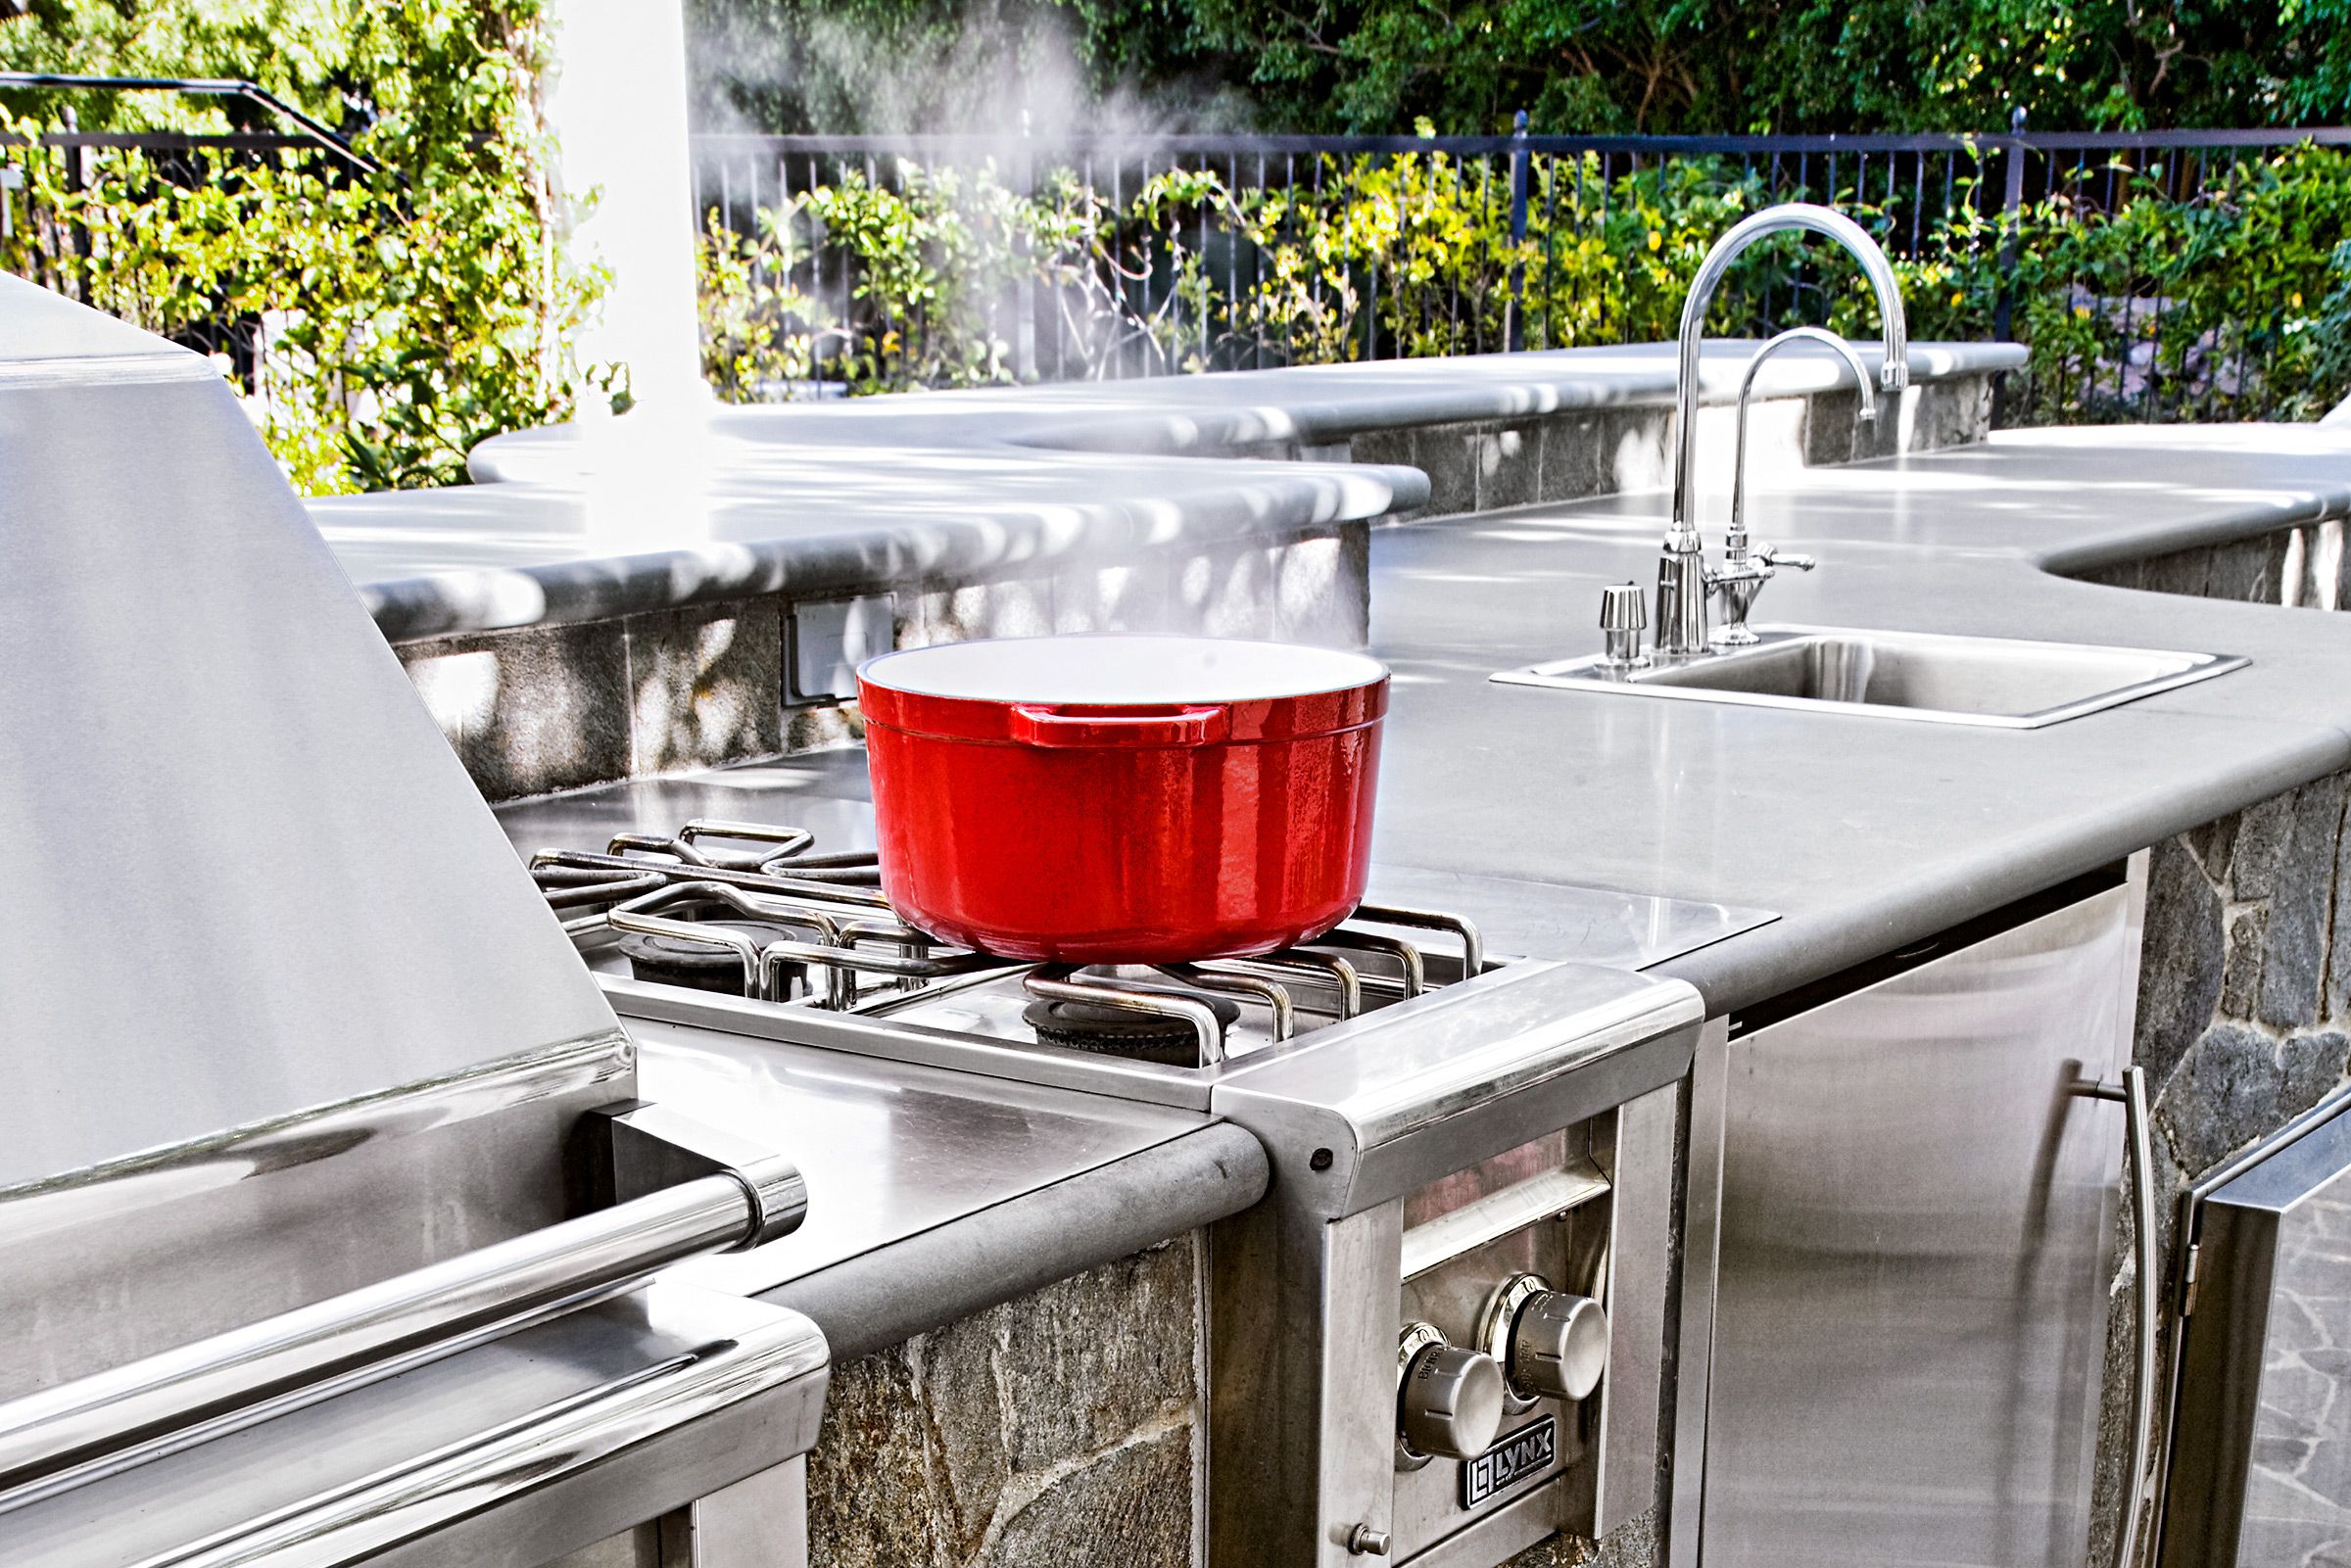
(2132, 1094)
(436, 1490)
(126, 1415)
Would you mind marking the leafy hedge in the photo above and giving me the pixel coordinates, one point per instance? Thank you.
(2230, 301)
(391, 320)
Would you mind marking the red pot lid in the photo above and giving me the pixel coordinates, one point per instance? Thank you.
(1262, 690)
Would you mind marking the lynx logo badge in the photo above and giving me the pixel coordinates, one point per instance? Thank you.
(1525, 1453)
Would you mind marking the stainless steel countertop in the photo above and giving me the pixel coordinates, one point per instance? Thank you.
(1862, 833)
(890, 1148)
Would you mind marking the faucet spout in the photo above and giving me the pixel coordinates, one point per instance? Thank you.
(1736, 547)
(1681, 621)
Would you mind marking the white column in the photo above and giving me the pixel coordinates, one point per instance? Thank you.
(615, 100)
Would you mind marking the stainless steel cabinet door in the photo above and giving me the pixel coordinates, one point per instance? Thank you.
(1916, 1216)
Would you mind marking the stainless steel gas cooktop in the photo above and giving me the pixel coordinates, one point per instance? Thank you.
(1465, 1093)
(824, 793)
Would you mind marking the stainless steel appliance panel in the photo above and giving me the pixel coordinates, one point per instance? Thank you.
(1639, 1275)
(1916, 1204)
(2261, 1467)
(250, 877)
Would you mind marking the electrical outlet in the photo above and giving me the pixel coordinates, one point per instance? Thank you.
(828, 639)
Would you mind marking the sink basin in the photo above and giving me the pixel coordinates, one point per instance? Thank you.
(2002, 683)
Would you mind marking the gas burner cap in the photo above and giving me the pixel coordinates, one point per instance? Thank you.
(1115, 1031)
(664, 960)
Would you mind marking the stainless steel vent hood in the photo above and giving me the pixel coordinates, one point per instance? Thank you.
(320, 1159)
(210, 751)
(255, 891)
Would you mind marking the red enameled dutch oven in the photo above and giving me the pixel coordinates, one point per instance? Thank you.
(1103, 799)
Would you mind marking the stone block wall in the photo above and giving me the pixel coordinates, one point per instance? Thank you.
(2245, 1008)
(545, 708)
(2244, 1022)
(2306, 566)
(1638, 1544)
(1481, 467)
(1061, 1428)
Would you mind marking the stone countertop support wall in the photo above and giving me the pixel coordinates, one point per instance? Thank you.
(1637, 1544)
(1488, 465)
(2245, 1009)
(1060, 1428)
(2244, 1022)
(2305, 567)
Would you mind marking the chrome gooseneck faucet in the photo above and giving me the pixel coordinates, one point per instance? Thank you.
(1745, 568)
(1682, 577)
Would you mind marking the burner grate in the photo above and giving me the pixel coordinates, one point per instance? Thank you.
(747, 908)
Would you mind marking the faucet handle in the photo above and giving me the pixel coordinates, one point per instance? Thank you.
(1623, 615)
(1740, 582)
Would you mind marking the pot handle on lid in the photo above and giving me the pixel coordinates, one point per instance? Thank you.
(1195, 724)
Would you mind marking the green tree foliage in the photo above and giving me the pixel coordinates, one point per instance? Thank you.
(1374, 66)
(403, 317)
(2234, 302)
(302, 50)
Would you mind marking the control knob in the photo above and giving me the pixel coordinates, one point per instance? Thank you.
(1553, 1343)
(1449, 1400)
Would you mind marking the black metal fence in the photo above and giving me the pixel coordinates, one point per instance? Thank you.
(45, 244)
(891, 261)
(1168, 254)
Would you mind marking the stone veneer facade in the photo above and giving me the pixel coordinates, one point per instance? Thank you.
(545, 708)
(2244, 1022)
(1061, 1428)
(1638, 1545)
(2245, 1008)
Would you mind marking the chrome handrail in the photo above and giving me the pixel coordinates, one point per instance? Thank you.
(141, 1409)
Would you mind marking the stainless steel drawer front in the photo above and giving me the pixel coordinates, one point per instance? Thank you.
(1909, 1280)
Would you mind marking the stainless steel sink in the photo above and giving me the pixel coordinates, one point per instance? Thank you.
(2002, 683)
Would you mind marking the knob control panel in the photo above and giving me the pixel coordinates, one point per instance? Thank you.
(1450, 1401)
(1553, 1344)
